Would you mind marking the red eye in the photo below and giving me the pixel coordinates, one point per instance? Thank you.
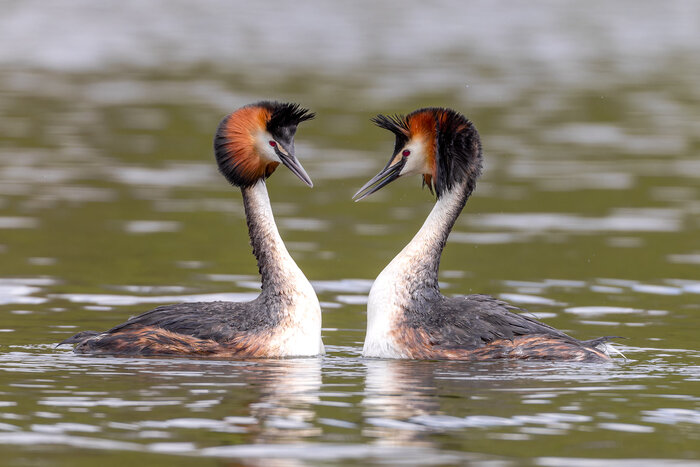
(273, 144)
(406, 153)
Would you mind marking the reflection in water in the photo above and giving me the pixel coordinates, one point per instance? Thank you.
(274, 409)
(407, 401)
(277, 403)
(289, 390)
(394, 391)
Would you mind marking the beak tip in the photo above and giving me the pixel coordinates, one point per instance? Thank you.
(293, 164)
(383, 178)
(359, 196)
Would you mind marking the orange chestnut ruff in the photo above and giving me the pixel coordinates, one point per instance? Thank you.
(238, 154)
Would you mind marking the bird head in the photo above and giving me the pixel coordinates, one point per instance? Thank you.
(252, 141)
(439, 144)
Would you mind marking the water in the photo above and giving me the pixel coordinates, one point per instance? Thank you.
(587, 215)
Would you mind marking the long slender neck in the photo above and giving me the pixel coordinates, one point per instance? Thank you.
(422, 254)
(404, 290)
(287, 308)
(276, 266)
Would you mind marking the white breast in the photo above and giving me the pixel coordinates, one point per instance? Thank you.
(300, 331)
(383, 312)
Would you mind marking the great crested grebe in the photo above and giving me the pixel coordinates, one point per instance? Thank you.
(407, 316)
(285, 319)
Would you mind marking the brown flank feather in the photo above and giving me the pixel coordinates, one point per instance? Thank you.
(151, 340)
(417, 343)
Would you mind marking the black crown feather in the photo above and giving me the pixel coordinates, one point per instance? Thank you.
(285, 115)
(397, 124)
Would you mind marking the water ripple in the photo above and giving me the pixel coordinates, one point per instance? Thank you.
(125, 300)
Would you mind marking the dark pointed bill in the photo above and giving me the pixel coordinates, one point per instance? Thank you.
(293, 164)
(383, 178)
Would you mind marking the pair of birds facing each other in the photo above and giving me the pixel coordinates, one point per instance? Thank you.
(407, 316)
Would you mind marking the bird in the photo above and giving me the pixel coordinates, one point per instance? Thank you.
(285, 319)
(407, 315)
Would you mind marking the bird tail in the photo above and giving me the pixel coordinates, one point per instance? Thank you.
(603, 344)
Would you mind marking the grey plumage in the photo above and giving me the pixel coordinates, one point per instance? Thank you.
(475, 320)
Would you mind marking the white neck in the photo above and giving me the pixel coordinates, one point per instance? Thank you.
(411, 277)
(285, 288)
